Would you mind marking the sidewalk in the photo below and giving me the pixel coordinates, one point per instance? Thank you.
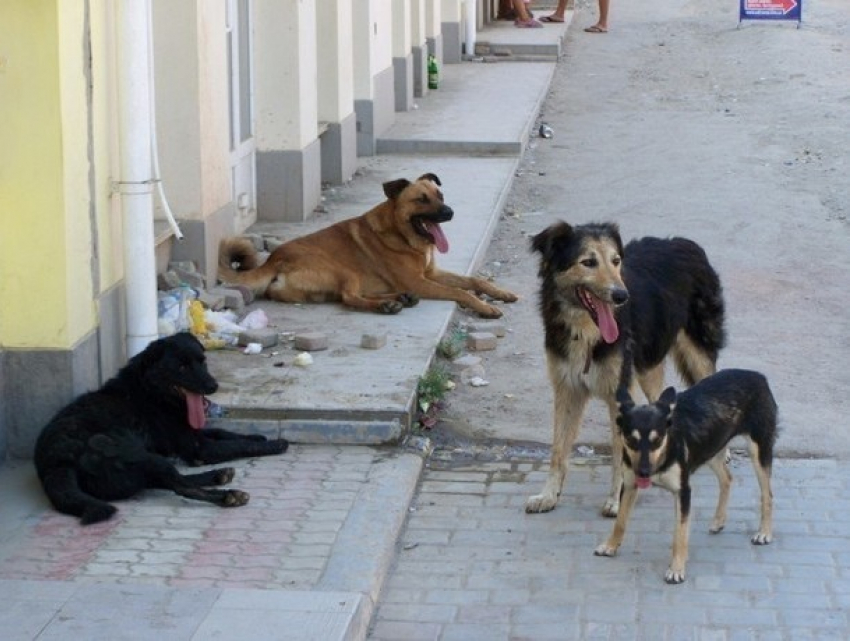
(307, 557)
(471, 132)
(473, 565)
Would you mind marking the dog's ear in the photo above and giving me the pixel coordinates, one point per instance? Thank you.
(545, 241)
(432, 177)
(393, 188)
(626, 404)
(615, 232)
(667, 399)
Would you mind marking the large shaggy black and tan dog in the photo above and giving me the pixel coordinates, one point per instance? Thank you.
(113, 443)
(594, 292)
(381, 261)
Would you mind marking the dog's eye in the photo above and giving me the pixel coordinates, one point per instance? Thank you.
(424, 199)
(616, 261)
(589, 262)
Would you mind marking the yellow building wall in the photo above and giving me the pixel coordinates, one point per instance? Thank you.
(47, 266)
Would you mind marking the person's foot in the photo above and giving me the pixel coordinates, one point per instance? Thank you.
(595, 28)
(552, 19)
(528, 24)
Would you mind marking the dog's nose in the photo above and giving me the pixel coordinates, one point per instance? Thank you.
(446, 212)
(619, 296)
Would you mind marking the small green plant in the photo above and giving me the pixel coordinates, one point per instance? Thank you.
(452, 344)
(430, 393)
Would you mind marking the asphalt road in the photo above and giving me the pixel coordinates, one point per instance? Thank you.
(681, 122)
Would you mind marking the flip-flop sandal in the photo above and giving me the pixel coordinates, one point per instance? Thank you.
(551, 20)
(595, 29)
(528, 24)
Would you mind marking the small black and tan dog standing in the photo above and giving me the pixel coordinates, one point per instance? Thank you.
(667, 441)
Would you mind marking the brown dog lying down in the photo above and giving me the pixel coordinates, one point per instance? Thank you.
(381, 261)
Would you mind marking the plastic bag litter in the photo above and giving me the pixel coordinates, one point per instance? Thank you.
(173, 315)
(173, 310)
(255, 320)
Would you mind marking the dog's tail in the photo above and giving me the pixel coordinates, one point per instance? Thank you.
(706, 313)
(238, 264)
(627, 366)
(65, 494)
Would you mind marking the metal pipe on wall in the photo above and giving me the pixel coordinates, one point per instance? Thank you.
(135, 184)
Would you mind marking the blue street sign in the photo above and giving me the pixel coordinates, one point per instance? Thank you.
(771, 10)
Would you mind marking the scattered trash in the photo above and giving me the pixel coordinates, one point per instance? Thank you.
(472, 373)
(303, 360)
(213, 409)
(585, 450)
(546, 131)
(410, 546)
(477, 381)
(253, 348)
(255, 320)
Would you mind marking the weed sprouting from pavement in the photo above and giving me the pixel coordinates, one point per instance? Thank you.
(431, 393)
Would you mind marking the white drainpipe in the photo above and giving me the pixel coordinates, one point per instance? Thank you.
(471, 25)
(135, 184)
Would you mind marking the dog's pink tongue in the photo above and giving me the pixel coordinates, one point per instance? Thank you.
(643, 483)
(440, 240)
(607, 324)
(195, 410)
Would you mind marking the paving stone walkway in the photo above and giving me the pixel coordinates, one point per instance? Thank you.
(472, 565)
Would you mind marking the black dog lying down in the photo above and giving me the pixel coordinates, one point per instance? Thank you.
(666, 441)
(113, 443)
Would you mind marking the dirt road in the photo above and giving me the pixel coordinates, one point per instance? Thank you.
(682, 123)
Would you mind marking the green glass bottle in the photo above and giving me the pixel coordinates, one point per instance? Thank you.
(433, 73)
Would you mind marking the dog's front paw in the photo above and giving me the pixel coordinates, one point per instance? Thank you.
(761, 538)
(235, 498)
(540, 503)
(390, 307)
(224, 475)
(606, 549)
(674, 575)
(408, 300)
(490, 311)
(97, 512)
(278, 446)
(507, 297)
(611, 507)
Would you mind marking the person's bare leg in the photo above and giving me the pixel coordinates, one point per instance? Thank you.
(558, 14)
(521, 13)
(601, 25)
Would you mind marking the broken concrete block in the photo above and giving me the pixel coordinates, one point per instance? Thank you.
(311, 341)
(464, 362)
(167, 281)
(232, 297)
(182, 265)
(373, 341)
(211, 299)
(480, 341)
(496, 328)
(273, 243)
(265, 337)
(247, 293)
(256, 240)
(191, 278)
